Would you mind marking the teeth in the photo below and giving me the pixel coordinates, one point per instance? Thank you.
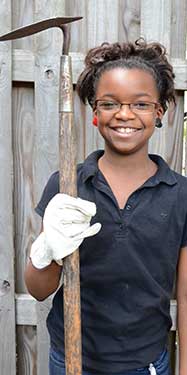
(125, 130)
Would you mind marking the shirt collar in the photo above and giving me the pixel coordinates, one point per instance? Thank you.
(164, 173)
(90, 165)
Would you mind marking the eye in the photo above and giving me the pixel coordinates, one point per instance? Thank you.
(107, 106)
(141, 105)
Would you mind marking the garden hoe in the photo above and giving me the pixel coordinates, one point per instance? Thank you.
(68, 185)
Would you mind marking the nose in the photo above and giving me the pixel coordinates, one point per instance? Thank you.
(125, 112)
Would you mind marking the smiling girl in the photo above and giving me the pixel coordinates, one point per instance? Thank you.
(128, 263)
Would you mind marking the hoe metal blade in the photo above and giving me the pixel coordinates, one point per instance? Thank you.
(37, 27)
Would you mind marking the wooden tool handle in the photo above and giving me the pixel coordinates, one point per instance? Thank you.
(68, 185)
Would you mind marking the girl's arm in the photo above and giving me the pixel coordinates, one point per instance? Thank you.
(42, 282)
(182, 310)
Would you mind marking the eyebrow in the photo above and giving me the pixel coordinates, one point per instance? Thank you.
(142, 94)
(136, 95)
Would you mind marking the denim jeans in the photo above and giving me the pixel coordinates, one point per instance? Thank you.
(159, 367)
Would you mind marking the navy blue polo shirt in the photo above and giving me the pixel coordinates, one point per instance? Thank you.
(127, 270)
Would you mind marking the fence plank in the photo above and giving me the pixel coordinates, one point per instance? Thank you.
(174, 152)
(24, 62)
(129, 20)
(157, 31)
(23, 65)
(178, 29)
(22, 14)
(25, 221)
(25, 310)
(178, 50)
(26, 307)
(7, 304)
(23, 143)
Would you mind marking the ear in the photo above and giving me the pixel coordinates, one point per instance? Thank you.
(160, 112)
(94, 112)
(95, 118)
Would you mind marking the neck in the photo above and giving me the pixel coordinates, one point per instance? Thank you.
(133, 164)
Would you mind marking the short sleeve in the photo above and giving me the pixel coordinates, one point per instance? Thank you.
(184, 236)
(50, 190)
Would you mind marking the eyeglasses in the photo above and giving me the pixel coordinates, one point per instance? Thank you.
(137, 107)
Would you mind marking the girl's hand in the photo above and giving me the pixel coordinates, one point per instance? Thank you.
(65, 225)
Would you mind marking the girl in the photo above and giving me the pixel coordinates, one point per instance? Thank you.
(129, 260)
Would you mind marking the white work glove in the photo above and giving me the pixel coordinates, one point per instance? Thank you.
(66, 223)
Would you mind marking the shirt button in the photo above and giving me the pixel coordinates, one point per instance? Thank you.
(128, 207)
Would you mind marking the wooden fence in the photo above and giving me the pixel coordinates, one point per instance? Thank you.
(29, 76)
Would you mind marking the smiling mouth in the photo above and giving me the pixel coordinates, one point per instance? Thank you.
(123, 130)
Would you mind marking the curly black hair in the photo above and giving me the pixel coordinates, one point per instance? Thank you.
(149, 57)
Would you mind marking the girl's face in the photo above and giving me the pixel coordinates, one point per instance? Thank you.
(125, 131)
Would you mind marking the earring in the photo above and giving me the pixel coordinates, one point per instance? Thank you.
(94, 121)
(158, 123)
